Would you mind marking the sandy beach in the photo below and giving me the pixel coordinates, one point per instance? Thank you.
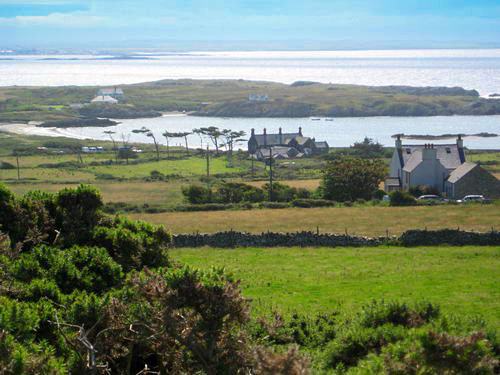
(32, 129)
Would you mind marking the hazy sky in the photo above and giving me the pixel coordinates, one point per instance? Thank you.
(240, 23)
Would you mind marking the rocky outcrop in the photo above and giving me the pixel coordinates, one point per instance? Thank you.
(429, 91)
(79, 123)
(117, 111)
(277, 108)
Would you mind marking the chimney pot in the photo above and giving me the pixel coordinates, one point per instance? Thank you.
(300, 130)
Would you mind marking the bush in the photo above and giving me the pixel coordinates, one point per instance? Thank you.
(399, 198)
(378, 194)
(205, 207)
(196, 194)
(5, 165)
(273, 205)
(436, 352)
(236, 192)
(419, 190)
(308, 203)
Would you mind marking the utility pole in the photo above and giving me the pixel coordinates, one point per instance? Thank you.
(18, 173)
(270, 174)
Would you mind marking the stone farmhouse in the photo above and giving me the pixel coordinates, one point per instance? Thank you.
(284, 145)
(443, 167)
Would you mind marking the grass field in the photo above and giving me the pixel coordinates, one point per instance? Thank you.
(165, 194)
(371, 221)
(463, 280)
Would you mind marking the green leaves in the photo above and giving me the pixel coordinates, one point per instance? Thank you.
(349, 179)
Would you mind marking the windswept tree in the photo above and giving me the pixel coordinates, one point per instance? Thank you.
(231, 138)
(200, 134)
(115, 150)
(149, 134)
(214, 134)
(167, 136)
(182, 135)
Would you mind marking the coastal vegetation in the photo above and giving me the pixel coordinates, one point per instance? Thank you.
(230, 98)
(86, 293)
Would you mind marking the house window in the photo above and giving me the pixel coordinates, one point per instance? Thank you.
(408, 150)
(448, 150)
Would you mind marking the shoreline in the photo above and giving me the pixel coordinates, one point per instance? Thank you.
(34, 130)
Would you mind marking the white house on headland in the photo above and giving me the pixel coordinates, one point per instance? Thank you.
(114, 92)
(442, 167)
(258, 98)
(104, 99)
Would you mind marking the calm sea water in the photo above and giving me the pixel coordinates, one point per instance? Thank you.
(471, 69)
(339, 132)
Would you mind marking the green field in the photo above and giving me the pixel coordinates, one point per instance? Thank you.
(369, 221)
(463, 280)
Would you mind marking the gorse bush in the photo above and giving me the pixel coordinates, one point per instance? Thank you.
(400, 198)
(235, 192)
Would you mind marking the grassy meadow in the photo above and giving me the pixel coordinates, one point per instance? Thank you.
(463, 280)
(369, 221)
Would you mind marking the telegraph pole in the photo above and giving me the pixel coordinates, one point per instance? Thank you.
(17, 160)
(270, 174)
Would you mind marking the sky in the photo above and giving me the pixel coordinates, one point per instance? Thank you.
(250, 24)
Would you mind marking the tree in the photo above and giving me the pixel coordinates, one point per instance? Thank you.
(149, 134)
(232, 137)
(110, 133)
(213, 133)
(348, 179)
(180, 135)
(200, 134)
(367, 149)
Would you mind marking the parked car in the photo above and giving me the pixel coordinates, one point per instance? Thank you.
(430, 197)
(472, 198)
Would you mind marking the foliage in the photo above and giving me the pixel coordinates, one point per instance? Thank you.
(419, 190)
(431, 353)
(307, 203)
(401, 198)
(367, 149)
(348, 179)
(196, 194)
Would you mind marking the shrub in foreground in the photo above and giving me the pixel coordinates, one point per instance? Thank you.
(400, 198)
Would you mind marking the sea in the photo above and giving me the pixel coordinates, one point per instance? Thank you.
(470, 69)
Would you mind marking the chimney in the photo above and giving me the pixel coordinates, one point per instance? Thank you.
(253, 131)
(265, 137)
(429, 152)
(399, 144)
(280, 136)
(460, 141)
(300, 131)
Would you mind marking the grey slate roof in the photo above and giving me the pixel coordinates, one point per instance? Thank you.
(413, 161)
(321, 144)
(393, 181)
(302, 140)
(450, 160)
(110, 91)
(274, 139)
(461, 171)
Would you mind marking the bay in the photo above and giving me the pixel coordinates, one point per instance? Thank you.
(340, 132)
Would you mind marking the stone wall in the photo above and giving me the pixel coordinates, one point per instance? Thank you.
(233, 239)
